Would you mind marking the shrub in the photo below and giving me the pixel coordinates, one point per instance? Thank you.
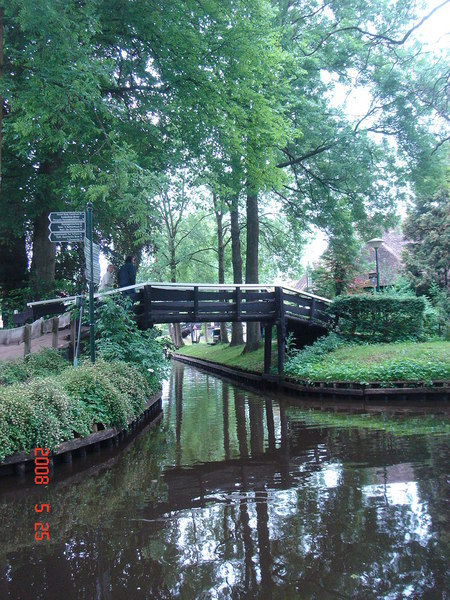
(45, 362)
(118, 338)
(321, 347)
(38, 414)
(13, 371)
(380, 317)
(130, 382)
(91, 384)
(39, 364)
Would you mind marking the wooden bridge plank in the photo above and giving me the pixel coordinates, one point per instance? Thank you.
(298, 310)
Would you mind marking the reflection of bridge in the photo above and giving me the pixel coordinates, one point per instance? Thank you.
(304, 314)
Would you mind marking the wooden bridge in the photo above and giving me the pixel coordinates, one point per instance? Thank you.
(285, 308)
(271, 306)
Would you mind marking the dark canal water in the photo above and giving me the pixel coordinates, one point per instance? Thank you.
(236, 495)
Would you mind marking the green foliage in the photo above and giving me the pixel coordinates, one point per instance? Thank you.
(38, 364)
(317, 351)
(91, 383)
(118, 338)
(45, 362)
(48, 410)
(380, 317)
(440, 303)
(39, 414)
(427, 226)
(388, 363)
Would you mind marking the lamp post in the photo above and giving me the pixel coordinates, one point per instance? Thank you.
(376, 243)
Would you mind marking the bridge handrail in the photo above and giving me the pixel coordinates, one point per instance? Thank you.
(207, 286)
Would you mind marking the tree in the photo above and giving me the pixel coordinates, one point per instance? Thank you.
(427, 254)
(348, 161)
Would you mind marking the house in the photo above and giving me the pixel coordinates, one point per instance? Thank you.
(390, 265)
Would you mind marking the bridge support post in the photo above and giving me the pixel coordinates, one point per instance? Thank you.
(281, 328)
(148, 306)
(195, 303)
(267, 347)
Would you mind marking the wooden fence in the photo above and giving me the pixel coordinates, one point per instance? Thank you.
(35, 330)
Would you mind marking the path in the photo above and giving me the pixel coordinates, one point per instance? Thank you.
(13, 351)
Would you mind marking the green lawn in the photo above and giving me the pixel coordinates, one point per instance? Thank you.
(406, 361)
(232, 357)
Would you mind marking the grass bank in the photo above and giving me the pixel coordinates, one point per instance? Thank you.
(226, 355)
(333, 359)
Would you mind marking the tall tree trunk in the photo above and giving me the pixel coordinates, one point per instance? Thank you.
(44, 258)
(44, 251)
(221, 260)
(177, 337)
(237, 333)
(251, 267)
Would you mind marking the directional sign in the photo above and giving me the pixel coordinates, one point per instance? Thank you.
(96, 276)
(66, 226)
(66, 236)
(95, 258)
(87, 250)
(66, 216)
(75, 227)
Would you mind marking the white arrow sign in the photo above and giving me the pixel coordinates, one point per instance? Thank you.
(77, 217)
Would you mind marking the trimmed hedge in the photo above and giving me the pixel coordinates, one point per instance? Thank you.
(380, 317)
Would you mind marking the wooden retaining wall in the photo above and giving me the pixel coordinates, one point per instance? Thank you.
(340, 390)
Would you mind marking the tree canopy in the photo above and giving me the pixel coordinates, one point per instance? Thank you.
(109, 100)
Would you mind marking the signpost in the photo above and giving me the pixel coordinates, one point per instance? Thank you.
(77, 227)
(90, 245)
(66, 226)
(96, 262)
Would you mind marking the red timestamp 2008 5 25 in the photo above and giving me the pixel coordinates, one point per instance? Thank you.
(41, 477)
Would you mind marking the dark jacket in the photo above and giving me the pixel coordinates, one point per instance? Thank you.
(127, 275)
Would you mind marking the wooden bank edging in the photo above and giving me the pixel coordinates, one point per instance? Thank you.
(20, 462)
(356, 391)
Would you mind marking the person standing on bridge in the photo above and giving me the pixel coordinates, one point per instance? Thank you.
(107, 282)
(127, 277)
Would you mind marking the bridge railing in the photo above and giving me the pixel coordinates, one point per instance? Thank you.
(161, 302)
(200, 304)
(172, 303)
(301, 307)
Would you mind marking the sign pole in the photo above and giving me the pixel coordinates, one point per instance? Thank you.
(91, 281)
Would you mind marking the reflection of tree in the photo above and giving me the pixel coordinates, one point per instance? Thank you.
(265, 557)
(244, 522)
(256, 414)
(178, 391)
(226, 425)
(239, 408)
(270, 424)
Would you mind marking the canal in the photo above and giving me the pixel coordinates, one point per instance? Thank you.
(239, 495)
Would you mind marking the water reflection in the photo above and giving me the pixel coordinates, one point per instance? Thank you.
(238, 496)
